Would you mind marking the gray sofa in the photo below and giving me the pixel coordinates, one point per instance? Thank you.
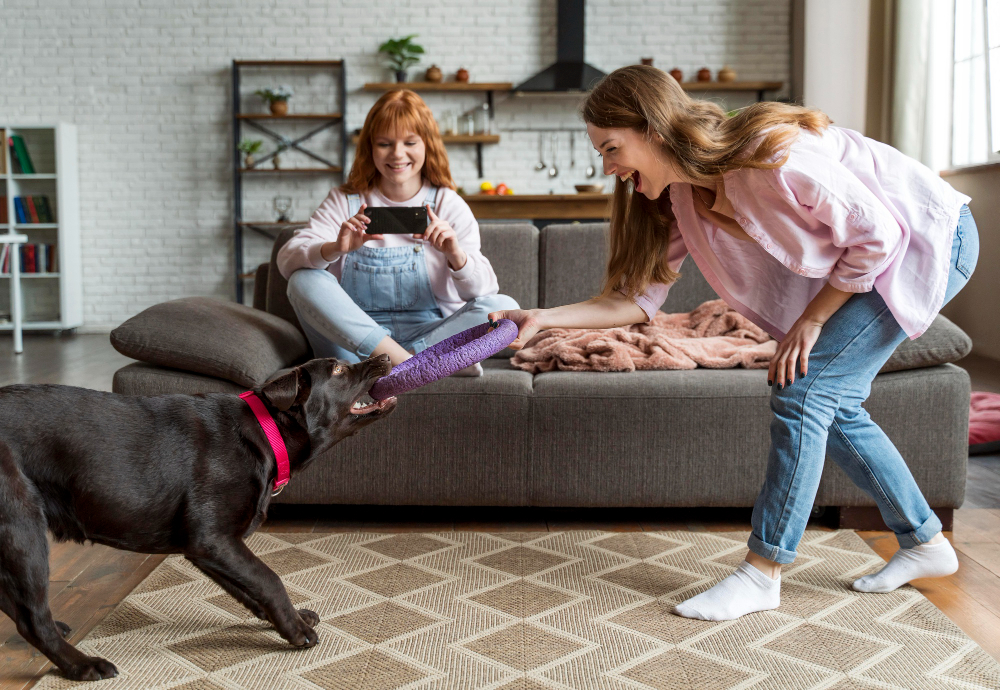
(644, 439)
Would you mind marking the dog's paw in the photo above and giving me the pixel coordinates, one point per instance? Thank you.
(94, 668)
(64, 629)
(310, 618)
(304, 636)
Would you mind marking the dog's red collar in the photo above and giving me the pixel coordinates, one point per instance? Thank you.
(270, 429)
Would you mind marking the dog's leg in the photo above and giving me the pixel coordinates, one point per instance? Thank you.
(230, 559)
(24, 578)
(232, 589)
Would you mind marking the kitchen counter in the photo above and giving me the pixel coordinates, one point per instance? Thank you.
(539, 206)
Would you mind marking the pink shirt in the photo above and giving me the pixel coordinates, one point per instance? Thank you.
(452, 289)
(843, 209)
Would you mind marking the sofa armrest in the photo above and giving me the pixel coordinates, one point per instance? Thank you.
(260, 286)
(212, 337)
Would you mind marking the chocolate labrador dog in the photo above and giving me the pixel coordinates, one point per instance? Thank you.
(188, 474)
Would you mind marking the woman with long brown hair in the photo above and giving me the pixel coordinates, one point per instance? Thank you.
(839, 246)
(356, 294)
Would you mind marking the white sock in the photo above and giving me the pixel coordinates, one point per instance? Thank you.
(471, 370)
(925, 560)
(745, 591)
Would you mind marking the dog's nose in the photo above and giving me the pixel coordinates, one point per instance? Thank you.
(380, 365)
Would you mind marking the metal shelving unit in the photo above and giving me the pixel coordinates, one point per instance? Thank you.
(263, 123)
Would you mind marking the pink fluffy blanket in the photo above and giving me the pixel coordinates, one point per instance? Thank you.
(984, 418)
(712, 336)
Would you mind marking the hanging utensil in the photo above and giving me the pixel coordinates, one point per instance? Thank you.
(541, 164)
(553, 170)
(572, 153)
(591, 170)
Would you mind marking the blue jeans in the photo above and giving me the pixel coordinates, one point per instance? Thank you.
(382, 292)
(821, 415)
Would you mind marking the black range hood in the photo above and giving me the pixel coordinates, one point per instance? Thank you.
(570, 72)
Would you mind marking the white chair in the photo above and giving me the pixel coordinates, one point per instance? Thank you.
(15, 285)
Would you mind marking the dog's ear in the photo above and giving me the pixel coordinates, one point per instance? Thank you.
(284, 391)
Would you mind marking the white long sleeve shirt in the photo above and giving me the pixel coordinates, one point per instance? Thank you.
(452, 289)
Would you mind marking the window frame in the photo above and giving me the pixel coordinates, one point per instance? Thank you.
(992, 100)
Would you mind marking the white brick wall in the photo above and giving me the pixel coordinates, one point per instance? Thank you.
(148, 84)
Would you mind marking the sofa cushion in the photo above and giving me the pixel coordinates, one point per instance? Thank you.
(701, 437)
(141, 378)
(457, 441)
(276, 300)
(573, 259)
(942, 342)
(211, 337)
(512, 250)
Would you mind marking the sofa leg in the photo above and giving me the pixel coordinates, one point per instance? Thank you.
(868, 518)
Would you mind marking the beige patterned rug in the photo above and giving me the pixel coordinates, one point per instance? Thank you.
(530, 611)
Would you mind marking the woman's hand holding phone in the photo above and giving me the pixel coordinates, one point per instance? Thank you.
(442, 237)
(352, 235)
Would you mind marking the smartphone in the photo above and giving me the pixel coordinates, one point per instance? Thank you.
(396, 220)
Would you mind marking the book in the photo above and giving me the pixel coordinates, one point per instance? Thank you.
(3, 210)
(19, 210)
(15, 167)
(44, 210)
(4, 253)
(53, 264)
(41, 258)
(3, 155)
(29, 259)
(32, 211)
(22, 154)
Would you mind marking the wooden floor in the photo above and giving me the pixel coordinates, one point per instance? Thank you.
(87, 582)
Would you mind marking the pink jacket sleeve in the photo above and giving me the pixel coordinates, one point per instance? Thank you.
(477, 277)
(858, 222)
(303, 249)
(655, 294)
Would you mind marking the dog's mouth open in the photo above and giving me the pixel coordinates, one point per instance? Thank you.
(366, 405)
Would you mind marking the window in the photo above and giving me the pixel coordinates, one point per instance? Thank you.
(976, 114)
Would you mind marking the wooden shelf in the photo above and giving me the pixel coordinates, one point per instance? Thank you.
(36, 226)
(538, 206)
(34, 176)
(554, 198)
(459, 138)
(32, 275)
(288, 63)
(36, 325)
(732, 85)
(291, 116)
(295, 171)
(444, 86)
(271, 225)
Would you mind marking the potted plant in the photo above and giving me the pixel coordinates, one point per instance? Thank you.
(402, 53)
(248, 147)
(277, 98)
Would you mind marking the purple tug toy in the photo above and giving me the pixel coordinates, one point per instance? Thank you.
(444, 359)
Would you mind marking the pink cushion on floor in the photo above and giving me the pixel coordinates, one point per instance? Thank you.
(984, 418)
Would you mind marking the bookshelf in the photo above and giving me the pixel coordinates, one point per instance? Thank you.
(52, 296)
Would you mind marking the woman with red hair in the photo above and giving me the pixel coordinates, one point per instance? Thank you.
(358, 295)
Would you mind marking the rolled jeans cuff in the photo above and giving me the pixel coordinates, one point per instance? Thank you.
(922, 534)
(371, 341)
(771, 553)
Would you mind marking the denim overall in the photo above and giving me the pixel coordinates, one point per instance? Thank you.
(391, 283)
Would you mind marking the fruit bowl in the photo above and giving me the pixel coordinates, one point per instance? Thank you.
(589, 188)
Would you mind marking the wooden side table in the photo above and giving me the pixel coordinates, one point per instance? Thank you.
(15, 285)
